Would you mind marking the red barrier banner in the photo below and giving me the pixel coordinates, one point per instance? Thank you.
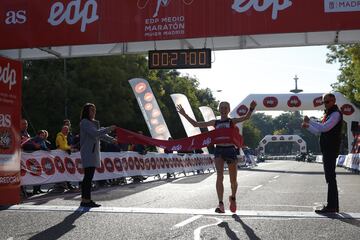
(10, 108)
(43, 23)
(222, 135)
(44, 167)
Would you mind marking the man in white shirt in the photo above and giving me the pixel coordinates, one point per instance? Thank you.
(330, 139)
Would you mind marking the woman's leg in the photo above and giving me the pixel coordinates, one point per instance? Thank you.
(233, 178)
(86, 184)
(219, 164)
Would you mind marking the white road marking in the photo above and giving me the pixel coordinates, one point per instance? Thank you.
(197, 232)
(257, 187)
(187, 221)
(180, 211)
(276, 177)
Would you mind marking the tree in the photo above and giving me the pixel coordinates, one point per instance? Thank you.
(49, 97)
(349, 79)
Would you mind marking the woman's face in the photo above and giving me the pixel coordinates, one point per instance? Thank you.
(224, 109)
(92, 112)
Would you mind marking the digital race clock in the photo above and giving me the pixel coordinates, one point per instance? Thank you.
(177, 59)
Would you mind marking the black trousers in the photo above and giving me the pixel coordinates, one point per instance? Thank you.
(86, 183)
(329, 161)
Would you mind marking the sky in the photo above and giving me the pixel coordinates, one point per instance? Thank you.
(238, 73)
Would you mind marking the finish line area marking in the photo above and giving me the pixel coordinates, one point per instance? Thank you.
(182, 211)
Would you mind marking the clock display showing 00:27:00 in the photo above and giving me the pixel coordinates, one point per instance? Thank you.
(177, 59)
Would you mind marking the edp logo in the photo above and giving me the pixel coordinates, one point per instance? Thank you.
(60, 13)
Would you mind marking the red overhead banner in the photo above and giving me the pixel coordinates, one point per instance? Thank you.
(43, 23)
(10, 107)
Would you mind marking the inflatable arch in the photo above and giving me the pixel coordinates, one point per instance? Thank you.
(282, 138)
(298, 102)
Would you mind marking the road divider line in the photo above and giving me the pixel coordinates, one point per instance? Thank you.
(187, 221)
(257, 187)
(179, 211)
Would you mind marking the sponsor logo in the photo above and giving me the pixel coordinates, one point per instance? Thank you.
(15, 17)
(242, 110)
(176, 148)
(5, 120)
(206, 142)
(159, 4)
(270, 102)
(317, 102)
(274, 138)
(294, 101)
(72, 13)
(7, 75)
(282, 138)
(242, 6)
(347, 109)
(163, 26)
(341, 5)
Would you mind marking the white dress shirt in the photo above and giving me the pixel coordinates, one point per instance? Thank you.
(317, 128)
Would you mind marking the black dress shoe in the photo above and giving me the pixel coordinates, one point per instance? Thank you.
(90, 204)
(326, 209)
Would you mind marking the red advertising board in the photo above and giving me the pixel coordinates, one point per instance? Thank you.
(43, 23)
(10, 107)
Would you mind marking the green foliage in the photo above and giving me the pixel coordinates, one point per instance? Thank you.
(251, 134)
(49, 97)
(349, 80)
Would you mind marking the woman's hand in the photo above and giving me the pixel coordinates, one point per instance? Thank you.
(253, 105)
(180, 109)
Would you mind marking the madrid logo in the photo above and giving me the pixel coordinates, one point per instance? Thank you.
(159, 3)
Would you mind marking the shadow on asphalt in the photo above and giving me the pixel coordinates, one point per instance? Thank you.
(193, 179)
(346, 218)
(60, 229)
(295, 172)
(117, 192)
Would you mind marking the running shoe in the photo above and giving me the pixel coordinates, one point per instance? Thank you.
(220, 208)
(232, 201)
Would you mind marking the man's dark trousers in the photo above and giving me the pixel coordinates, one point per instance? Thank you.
(329, 161)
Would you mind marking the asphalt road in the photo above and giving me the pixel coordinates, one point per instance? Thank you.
(276, 200)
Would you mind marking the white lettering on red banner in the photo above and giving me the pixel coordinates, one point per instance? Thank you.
(342, 5)
(60, 13)
(163, 26)
(242, 6)
(8, 75)
(15, 17)
(5, 120)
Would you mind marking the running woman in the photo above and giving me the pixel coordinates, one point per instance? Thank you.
(223, 152)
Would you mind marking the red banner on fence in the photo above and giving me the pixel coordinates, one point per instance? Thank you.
(10, 107)
(223, 135)
(43, 23)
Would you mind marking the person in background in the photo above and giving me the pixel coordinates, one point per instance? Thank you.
(70, 137)
(91, 133)
(62, 144)
(168, 175)
(223, 152)
(141, 149)
(61, 140)
(24, 135)
(330, 141)
(34, 144)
